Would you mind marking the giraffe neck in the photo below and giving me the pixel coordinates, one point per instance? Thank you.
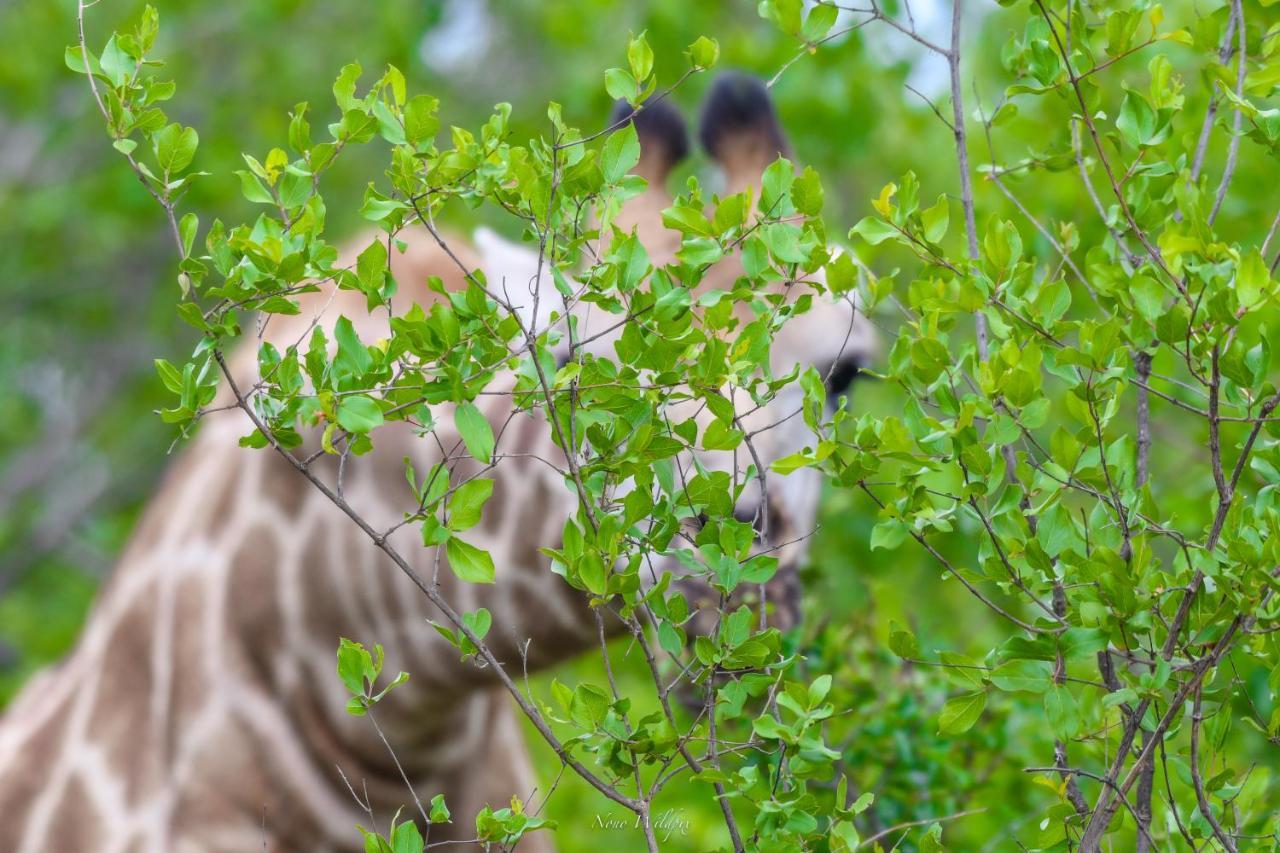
(203, 690)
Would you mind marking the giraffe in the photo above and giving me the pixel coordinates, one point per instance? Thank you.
(200, 711)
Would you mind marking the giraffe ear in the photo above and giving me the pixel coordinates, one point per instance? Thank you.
(739, 127)
(664, 137)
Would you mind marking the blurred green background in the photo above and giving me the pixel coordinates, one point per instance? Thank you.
(87, 291)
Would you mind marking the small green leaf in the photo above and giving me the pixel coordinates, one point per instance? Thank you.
(640, 57)
(1063, 712)
(902, 642)
(875, 231)
(468, 562)
(704, 53)
(175, 147)
(467, 502)
(405, 838)
(620, 154)
(818, 22)
(621, 85)
(475, 432)
(961, 712)
(359, 413)
(1023, 675)
(420, 121)
(935, 219)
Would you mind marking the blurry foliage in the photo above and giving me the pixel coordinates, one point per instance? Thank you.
(90, 318)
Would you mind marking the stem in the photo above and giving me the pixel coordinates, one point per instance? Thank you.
(962, 157)
(1233, 148)
(1202, 800)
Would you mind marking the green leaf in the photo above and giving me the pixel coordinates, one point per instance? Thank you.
(874, 230)
(889, 533)
(784, 13)
(439, 811)
(405, 838)
(1062, 711)
(356, 667)
(589, 705)
(806, 192)
(774, 186)
(961, 712)
(1148, 297)
(704, 53)
(935, 219)
(640, 57)
(931, 841)
(420, 121)
(818, 22)
(467, 502)
(620, 154)
(175, 147)
(1023, 675)
(478, 623)
(73, 56)
(344, 88)
(1138, 123)
(468, 562)
(187, 228)
(353, 357)
(902, 642)
(475, 432)
(621, 85)
(1253, 279)
(371, 267)
(359, 413)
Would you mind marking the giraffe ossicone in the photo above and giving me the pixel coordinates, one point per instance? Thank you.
(200, 710)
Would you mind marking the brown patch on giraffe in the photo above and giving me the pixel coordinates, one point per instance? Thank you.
(76, 824)
(157, 515)
(540, 499)
(121, 723)
(190, 688)
(323, 613)
(27, 774)
(222, 503)
(280, 484)
(253, 611)
(239, 792)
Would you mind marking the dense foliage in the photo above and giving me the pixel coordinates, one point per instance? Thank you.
(1070, 462)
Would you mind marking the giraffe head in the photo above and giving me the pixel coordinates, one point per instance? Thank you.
(740, 131)
(742, 135)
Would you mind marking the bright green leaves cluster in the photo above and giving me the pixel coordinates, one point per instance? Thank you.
(1031, 447)
(506, 826)
(790, 16)
(620, 741)
(124, 86)
(474, 625)
(634, 83)
(404, 837)
(359, 670)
